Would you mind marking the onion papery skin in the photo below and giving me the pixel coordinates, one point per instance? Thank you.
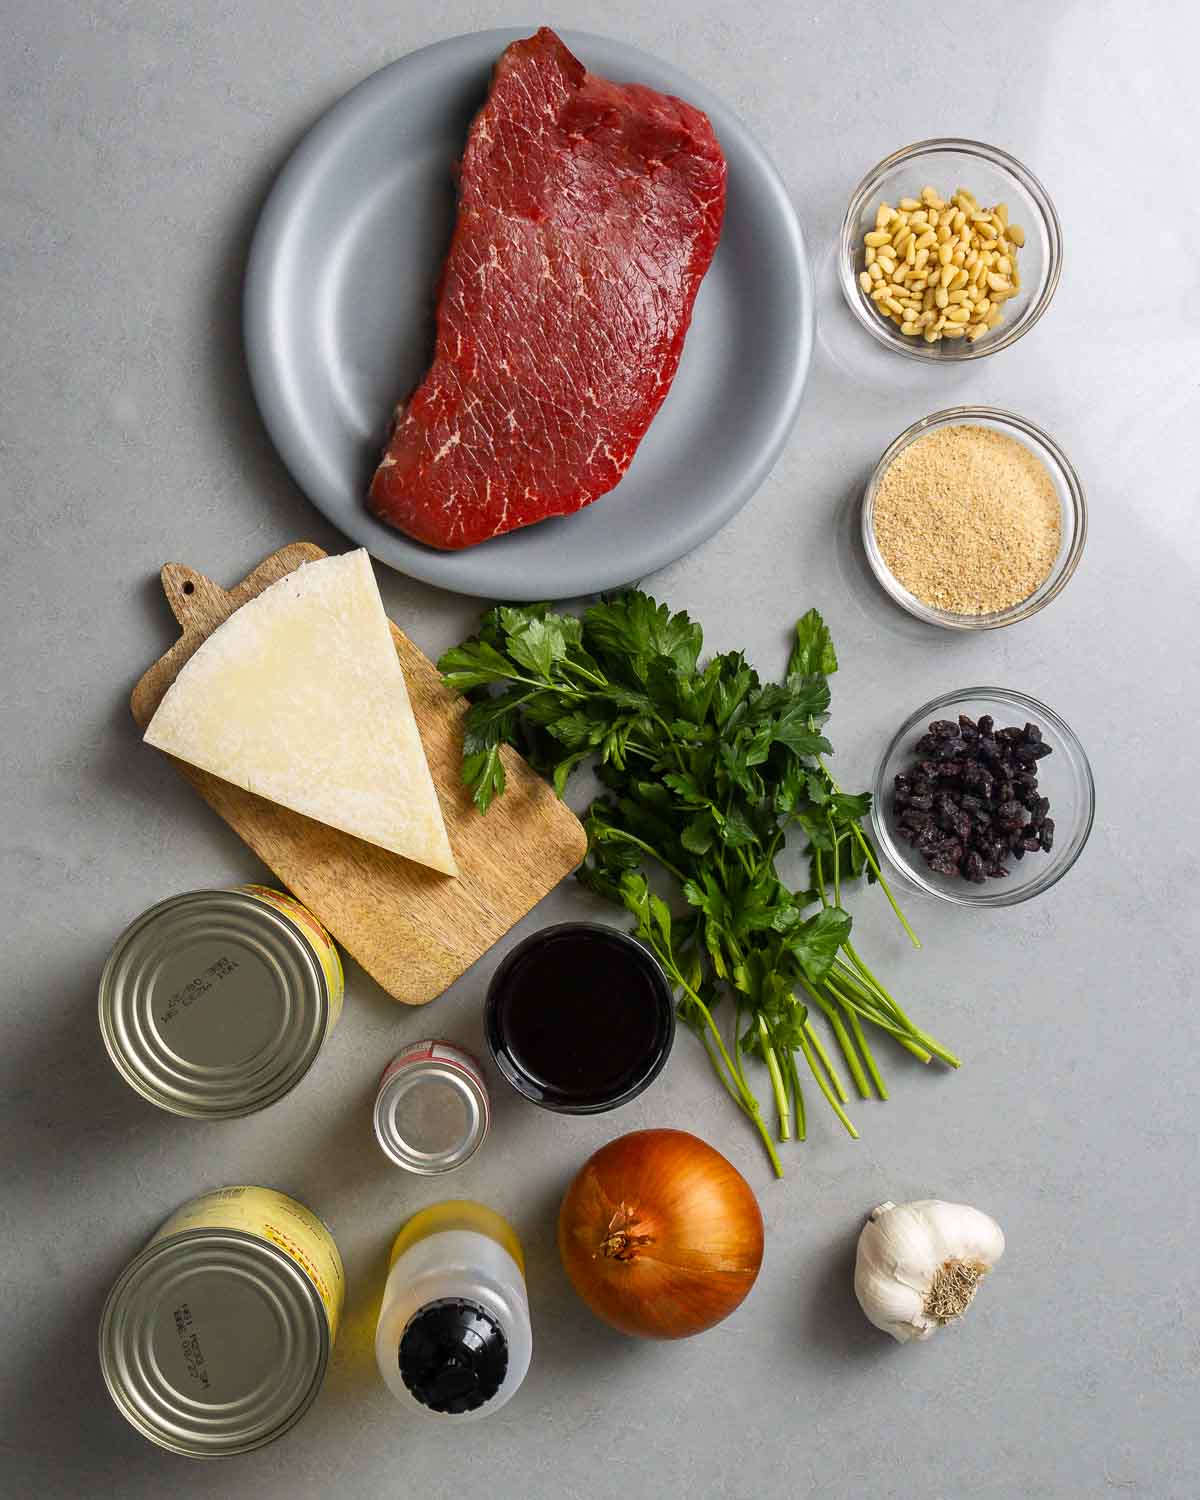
(660, 1235)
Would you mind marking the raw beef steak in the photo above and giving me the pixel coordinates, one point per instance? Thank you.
(588, 213)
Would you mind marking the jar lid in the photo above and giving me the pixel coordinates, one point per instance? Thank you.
(453, 1356)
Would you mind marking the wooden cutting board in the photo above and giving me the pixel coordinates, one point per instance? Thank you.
(413, 930)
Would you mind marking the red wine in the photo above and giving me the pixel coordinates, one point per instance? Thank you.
(580, 1018)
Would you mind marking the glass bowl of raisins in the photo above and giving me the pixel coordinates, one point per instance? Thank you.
(984, 798)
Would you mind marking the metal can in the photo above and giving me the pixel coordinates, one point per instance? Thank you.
(214, 1004)
(432, 1110)
(216, 1338)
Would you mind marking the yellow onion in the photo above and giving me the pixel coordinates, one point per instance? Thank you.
(660, 1235)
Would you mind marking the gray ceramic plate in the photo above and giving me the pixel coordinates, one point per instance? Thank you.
(339, 325)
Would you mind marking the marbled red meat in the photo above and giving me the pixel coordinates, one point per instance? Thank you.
(588, 214)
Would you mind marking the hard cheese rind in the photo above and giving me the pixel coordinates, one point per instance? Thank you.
(300, 698)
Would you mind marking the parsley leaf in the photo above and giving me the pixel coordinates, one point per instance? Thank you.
(704, 770)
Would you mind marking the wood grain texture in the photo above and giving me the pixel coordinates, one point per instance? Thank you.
(414, 930)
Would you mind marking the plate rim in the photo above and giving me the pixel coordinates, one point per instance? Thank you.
(265, 273)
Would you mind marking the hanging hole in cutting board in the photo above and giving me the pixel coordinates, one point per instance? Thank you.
(189, 587)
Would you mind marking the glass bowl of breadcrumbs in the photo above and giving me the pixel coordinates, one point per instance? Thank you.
(973, 519)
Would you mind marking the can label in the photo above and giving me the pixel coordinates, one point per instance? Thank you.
(318, 940)
(443, 1052)
(280, 1221)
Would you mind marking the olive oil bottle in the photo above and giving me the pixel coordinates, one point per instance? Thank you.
(454, 1338)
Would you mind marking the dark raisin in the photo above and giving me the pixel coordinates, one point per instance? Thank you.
(969, 802)
(1010, 735)
(926, 744)
(928, 838)
(1018, 849)
(903, 782)
(1046, 834)
(997, 871)
(1039, 810)
(1040, 752)
(1031, 843)
(967, 727)
(962, 827)
(943, 729)
(986, 725)
(1026, 755)
(922, 803)
(950, 768)
(942, 864)
(1010, 808)
(972, 868)
(928, 769)
(1033, 735)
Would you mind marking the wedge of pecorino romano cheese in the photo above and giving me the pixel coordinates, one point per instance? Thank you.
(300, 697)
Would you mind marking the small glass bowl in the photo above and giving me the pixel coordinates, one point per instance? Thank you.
(993, 177)
(1073, 516)
(1065, 777)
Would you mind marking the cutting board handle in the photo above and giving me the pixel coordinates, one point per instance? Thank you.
(193, 597)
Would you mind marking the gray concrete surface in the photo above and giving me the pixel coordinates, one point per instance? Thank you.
(137, 141)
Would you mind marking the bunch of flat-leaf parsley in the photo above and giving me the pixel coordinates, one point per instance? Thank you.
(705, 768)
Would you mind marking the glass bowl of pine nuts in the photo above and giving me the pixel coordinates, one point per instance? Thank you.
(950, 249)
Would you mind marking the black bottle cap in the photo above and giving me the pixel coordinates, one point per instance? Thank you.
(453, 1356)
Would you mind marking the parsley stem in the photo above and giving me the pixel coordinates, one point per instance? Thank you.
(861, 1039)
(818, 1047)
(797, 1097)
(810, 1058)
(857, 999)
(869, 855)
(717, 1069)
(844, 1042)
(777, 1084)
(749, 1102)
(914, 1031)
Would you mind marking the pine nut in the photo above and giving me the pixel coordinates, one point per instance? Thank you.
(940, 267)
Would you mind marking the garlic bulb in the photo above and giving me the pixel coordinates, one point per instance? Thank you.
(920, 1264)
